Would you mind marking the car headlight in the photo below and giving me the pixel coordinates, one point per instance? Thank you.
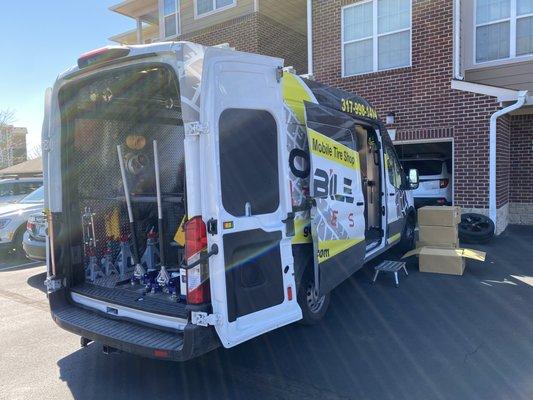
(4, 222)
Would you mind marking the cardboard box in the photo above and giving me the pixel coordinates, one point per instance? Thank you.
(441, 260)
(439, 216)
(438, 235)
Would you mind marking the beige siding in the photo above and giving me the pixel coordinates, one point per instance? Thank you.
(190, 24)
(291, 13)
(511, 73)
(517, 75)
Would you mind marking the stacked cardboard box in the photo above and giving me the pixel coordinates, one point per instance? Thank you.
(438, 245)
(438, 226)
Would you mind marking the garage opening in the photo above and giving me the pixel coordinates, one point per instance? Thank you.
(434, 162)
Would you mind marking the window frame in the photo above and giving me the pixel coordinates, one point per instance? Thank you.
(214, 10)
(375, 38)
(177, 15)
(512, 19)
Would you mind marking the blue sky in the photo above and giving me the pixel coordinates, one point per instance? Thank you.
(41, 38)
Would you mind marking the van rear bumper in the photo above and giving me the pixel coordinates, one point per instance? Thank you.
(131, 337)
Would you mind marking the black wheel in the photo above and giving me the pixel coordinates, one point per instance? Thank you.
(475, 228)
(313, 307)
(17, 248)
(408, 235)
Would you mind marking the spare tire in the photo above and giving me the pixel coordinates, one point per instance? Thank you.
(475, 228)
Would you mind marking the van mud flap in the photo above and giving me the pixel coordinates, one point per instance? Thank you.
(130, 337)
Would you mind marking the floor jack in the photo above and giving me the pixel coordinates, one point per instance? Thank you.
(162, 281)
(92, 271)
(139, 270)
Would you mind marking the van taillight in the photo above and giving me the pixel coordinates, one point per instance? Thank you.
(444, 183)
(197, 277)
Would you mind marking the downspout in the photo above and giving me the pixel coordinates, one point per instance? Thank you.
(310, 38)
(522, 97)
(457, 40)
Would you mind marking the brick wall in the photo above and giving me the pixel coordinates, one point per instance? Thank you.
(420, 95)
(257, 33)
(279, 41)
(521, 165)
(240, 33)
(503, 130)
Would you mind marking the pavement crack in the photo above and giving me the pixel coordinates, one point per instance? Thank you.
(21, 299)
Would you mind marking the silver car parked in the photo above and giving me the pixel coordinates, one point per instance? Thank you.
(13, 218)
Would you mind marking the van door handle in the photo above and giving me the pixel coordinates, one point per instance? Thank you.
(360, 203)
(289, 222)
(203, 257)
(392, 194)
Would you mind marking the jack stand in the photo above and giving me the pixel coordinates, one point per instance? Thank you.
(173, 287)
(149, 259)
(124, 260)
(163, 277)
(151, 254)
(93, 271)
(138, 274)
(107, 261)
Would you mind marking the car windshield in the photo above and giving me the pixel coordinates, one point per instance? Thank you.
(424, 167)
(37, 196)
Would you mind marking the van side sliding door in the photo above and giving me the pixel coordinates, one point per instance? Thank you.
(396, 197)
(245, 195)
(337, 214)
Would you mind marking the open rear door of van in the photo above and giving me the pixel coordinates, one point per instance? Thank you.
(246, 195)
(337, 214)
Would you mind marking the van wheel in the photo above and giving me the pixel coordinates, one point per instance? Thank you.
(408, 235)
(313, 307)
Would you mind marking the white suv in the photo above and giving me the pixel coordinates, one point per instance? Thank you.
(436, 179)
(14, 189)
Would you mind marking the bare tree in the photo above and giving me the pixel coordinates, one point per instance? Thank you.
(7, 117)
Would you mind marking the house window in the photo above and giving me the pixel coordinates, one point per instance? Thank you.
(504, 29)
(376, 36)
(171, 18)
(206, 7)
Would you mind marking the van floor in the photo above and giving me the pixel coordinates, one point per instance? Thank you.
(134, 296)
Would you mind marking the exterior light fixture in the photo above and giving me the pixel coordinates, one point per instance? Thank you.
(390, 118)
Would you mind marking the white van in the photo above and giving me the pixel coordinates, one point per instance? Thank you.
(266, 191)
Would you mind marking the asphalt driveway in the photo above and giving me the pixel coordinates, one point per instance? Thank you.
(434, 337)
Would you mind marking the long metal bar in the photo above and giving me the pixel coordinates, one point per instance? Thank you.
(159, 204)
(128, 204)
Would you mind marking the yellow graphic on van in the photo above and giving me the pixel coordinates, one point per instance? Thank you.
(331, 150)
(302, 231)
(331, 248)
(295, 92)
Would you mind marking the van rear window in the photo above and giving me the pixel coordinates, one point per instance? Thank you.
(249, 161)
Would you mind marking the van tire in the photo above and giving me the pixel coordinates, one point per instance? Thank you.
(313, 308)
(408, 240)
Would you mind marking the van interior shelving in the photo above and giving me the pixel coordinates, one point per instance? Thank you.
(130, 107)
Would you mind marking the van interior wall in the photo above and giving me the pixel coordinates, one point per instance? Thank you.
(99, 184)
(130, 107)
(370, 175)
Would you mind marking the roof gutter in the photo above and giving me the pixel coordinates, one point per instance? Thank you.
(522, 98)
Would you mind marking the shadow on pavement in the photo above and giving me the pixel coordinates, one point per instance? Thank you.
(436, 336)
(37, 281)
